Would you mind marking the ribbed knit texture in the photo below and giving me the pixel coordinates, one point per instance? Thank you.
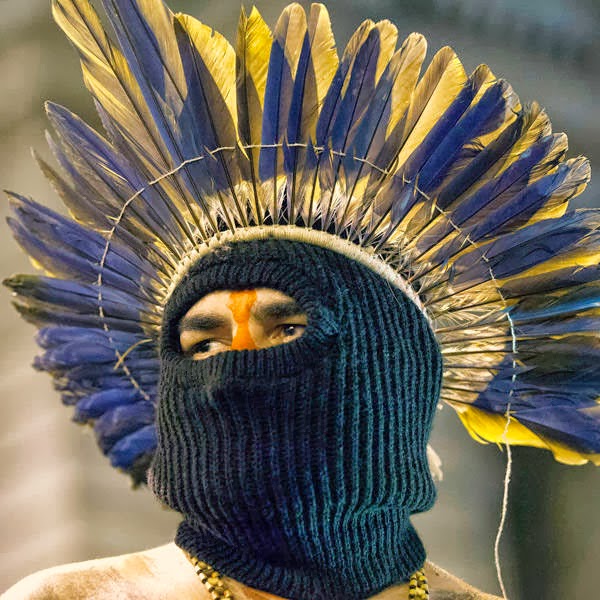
(296, 467)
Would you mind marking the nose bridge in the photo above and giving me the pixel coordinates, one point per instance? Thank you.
(240, 304)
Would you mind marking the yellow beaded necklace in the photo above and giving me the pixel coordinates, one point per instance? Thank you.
(417, 584)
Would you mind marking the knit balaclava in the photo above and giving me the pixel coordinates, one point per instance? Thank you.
(296, 467)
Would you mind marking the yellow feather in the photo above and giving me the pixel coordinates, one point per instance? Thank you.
(485, 427)
(253, 50)
(441, 83)
(219, 57)
(411, 56)
(388, 39)
(108, 77)
(484, 75)
(574, 184)
(537, 126)
(579, 176)
(406, 63)
(484, 78)
(320, 70)
(291, 29)
(324, 61)
(559, 148)
(358, 38)
(82, 26)
(159, 19)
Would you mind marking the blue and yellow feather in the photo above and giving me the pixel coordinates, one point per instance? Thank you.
(445, 177)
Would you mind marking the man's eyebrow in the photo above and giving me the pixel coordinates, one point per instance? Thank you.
(277, 310)
(201, 322)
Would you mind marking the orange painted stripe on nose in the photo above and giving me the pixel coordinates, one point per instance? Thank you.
(240, 303)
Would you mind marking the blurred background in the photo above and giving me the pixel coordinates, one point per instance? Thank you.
(60, 500)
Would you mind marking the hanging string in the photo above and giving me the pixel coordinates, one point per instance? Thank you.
(507, 478)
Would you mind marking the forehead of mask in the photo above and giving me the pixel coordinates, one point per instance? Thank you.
(250, 319)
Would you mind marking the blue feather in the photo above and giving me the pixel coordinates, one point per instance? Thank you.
(333, 98)
(123, 420)
(279, 71)
(515, 254)
(108, 179)
(93, 406)
(294, 121)
(50, 337)
(354, 105)
(374, 120)
(85, 209)
(555, 394)
(73, 354)
(205, 123)
(330, 103)
(583, 222)
(70, 250)
(523, 207)
(157, 198)
(142, 51)
(575, 428)
(77, 296)
(42, 315)
(129, 448)
(445, 126)
(501, 216)
(550, 281)
(567, 418)
(429, 163)
(370, 138)
(546, 238)
(577, 300)
(294, 132)
(138, 42)
(358, 92)
(496, 192)
(480, 119)
(86, 379)
(536, 382)
(155, 70)
(547, 329)
(481, 163)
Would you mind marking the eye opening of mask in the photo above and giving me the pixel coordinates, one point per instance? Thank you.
(249, 319)
(245, 266)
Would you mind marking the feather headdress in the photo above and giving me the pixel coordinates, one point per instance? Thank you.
(443, 183)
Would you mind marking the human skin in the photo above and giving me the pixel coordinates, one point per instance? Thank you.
(164, 573)
(227, 320)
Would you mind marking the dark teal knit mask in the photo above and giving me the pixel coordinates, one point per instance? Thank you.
(296, 467)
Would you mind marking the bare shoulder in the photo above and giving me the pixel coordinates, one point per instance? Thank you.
(444, 586)
(163, 573)
(156, 574)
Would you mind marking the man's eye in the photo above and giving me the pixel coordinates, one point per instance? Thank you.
(292, 330)
(289, 330)
(203, 347)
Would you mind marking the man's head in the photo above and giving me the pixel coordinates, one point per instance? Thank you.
(296, 398)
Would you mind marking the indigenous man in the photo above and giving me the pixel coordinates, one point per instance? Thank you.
(277, 265)
(245, 321)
